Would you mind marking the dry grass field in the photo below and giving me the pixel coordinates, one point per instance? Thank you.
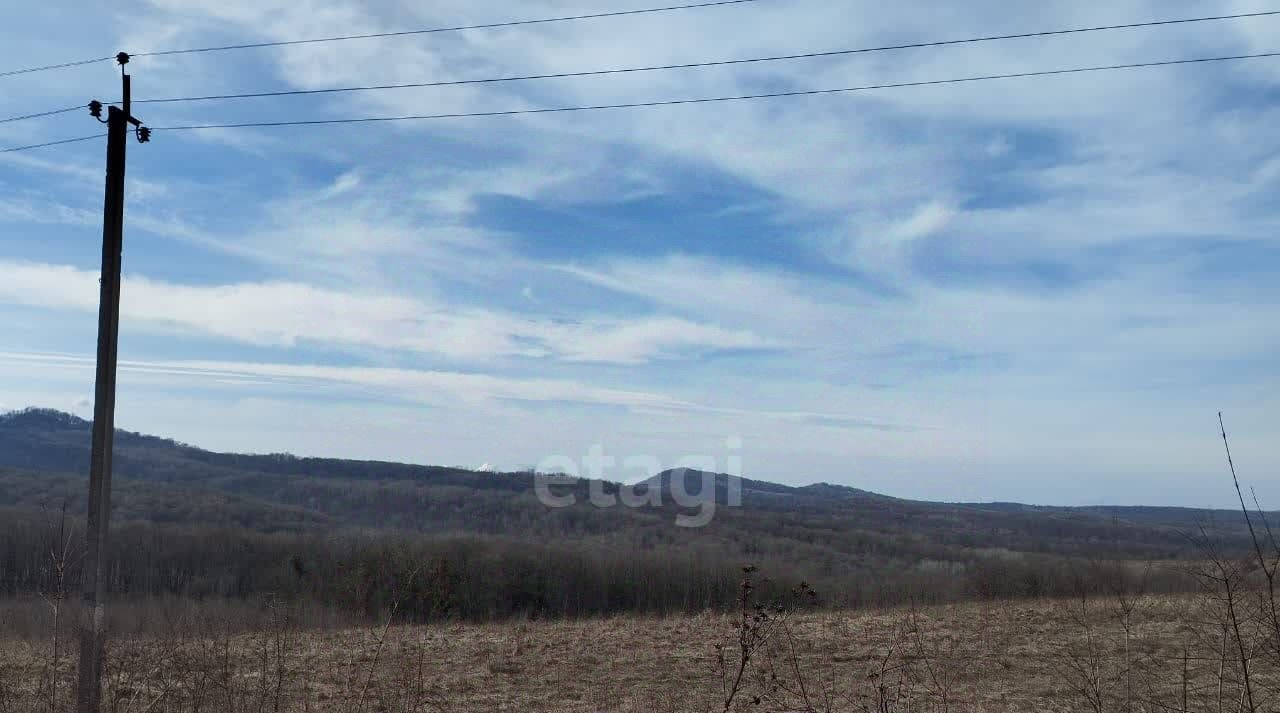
(1122, 654)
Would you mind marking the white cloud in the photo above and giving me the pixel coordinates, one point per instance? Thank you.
(1030, 253)
(287, 314)
(1131, 326)
(999, 147)
(436, 388)
(35, 210)
(632, 342)
(925, 221)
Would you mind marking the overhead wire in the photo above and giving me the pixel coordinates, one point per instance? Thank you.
(377, 35)
(710, 100)
(667, 67)
(51, 143)
(63, 65)
(677, 102)
(698, 65)
(456, 28)
(51, 112)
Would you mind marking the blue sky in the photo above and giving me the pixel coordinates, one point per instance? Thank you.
(1037, 290)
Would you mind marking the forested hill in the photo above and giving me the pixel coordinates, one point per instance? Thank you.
(52, 441)
(822, 531)
(36, 444)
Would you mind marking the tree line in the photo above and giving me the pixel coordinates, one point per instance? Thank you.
(481, 578)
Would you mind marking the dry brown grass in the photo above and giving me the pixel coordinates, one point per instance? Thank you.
(1017, 656)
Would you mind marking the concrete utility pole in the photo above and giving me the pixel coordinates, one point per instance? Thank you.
(93, 632)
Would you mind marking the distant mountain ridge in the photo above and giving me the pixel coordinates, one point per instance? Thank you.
(44, 459)
(190, 522)
(32, 430)
(26, 437)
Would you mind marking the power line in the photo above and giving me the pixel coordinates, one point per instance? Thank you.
(696, 65)
(377, 35)
(37, 115)
(458, 28)
(666, 67)
(677, 102)
(51, 143)
(79, 63)
(710, 100)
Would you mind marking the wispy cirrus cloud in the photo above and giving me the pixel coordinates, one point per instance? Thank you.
(442, 388)
(1002, 266)
(288, 314)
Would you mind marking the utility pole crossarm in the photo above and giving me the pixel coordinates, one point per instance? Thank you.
(92, 627)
